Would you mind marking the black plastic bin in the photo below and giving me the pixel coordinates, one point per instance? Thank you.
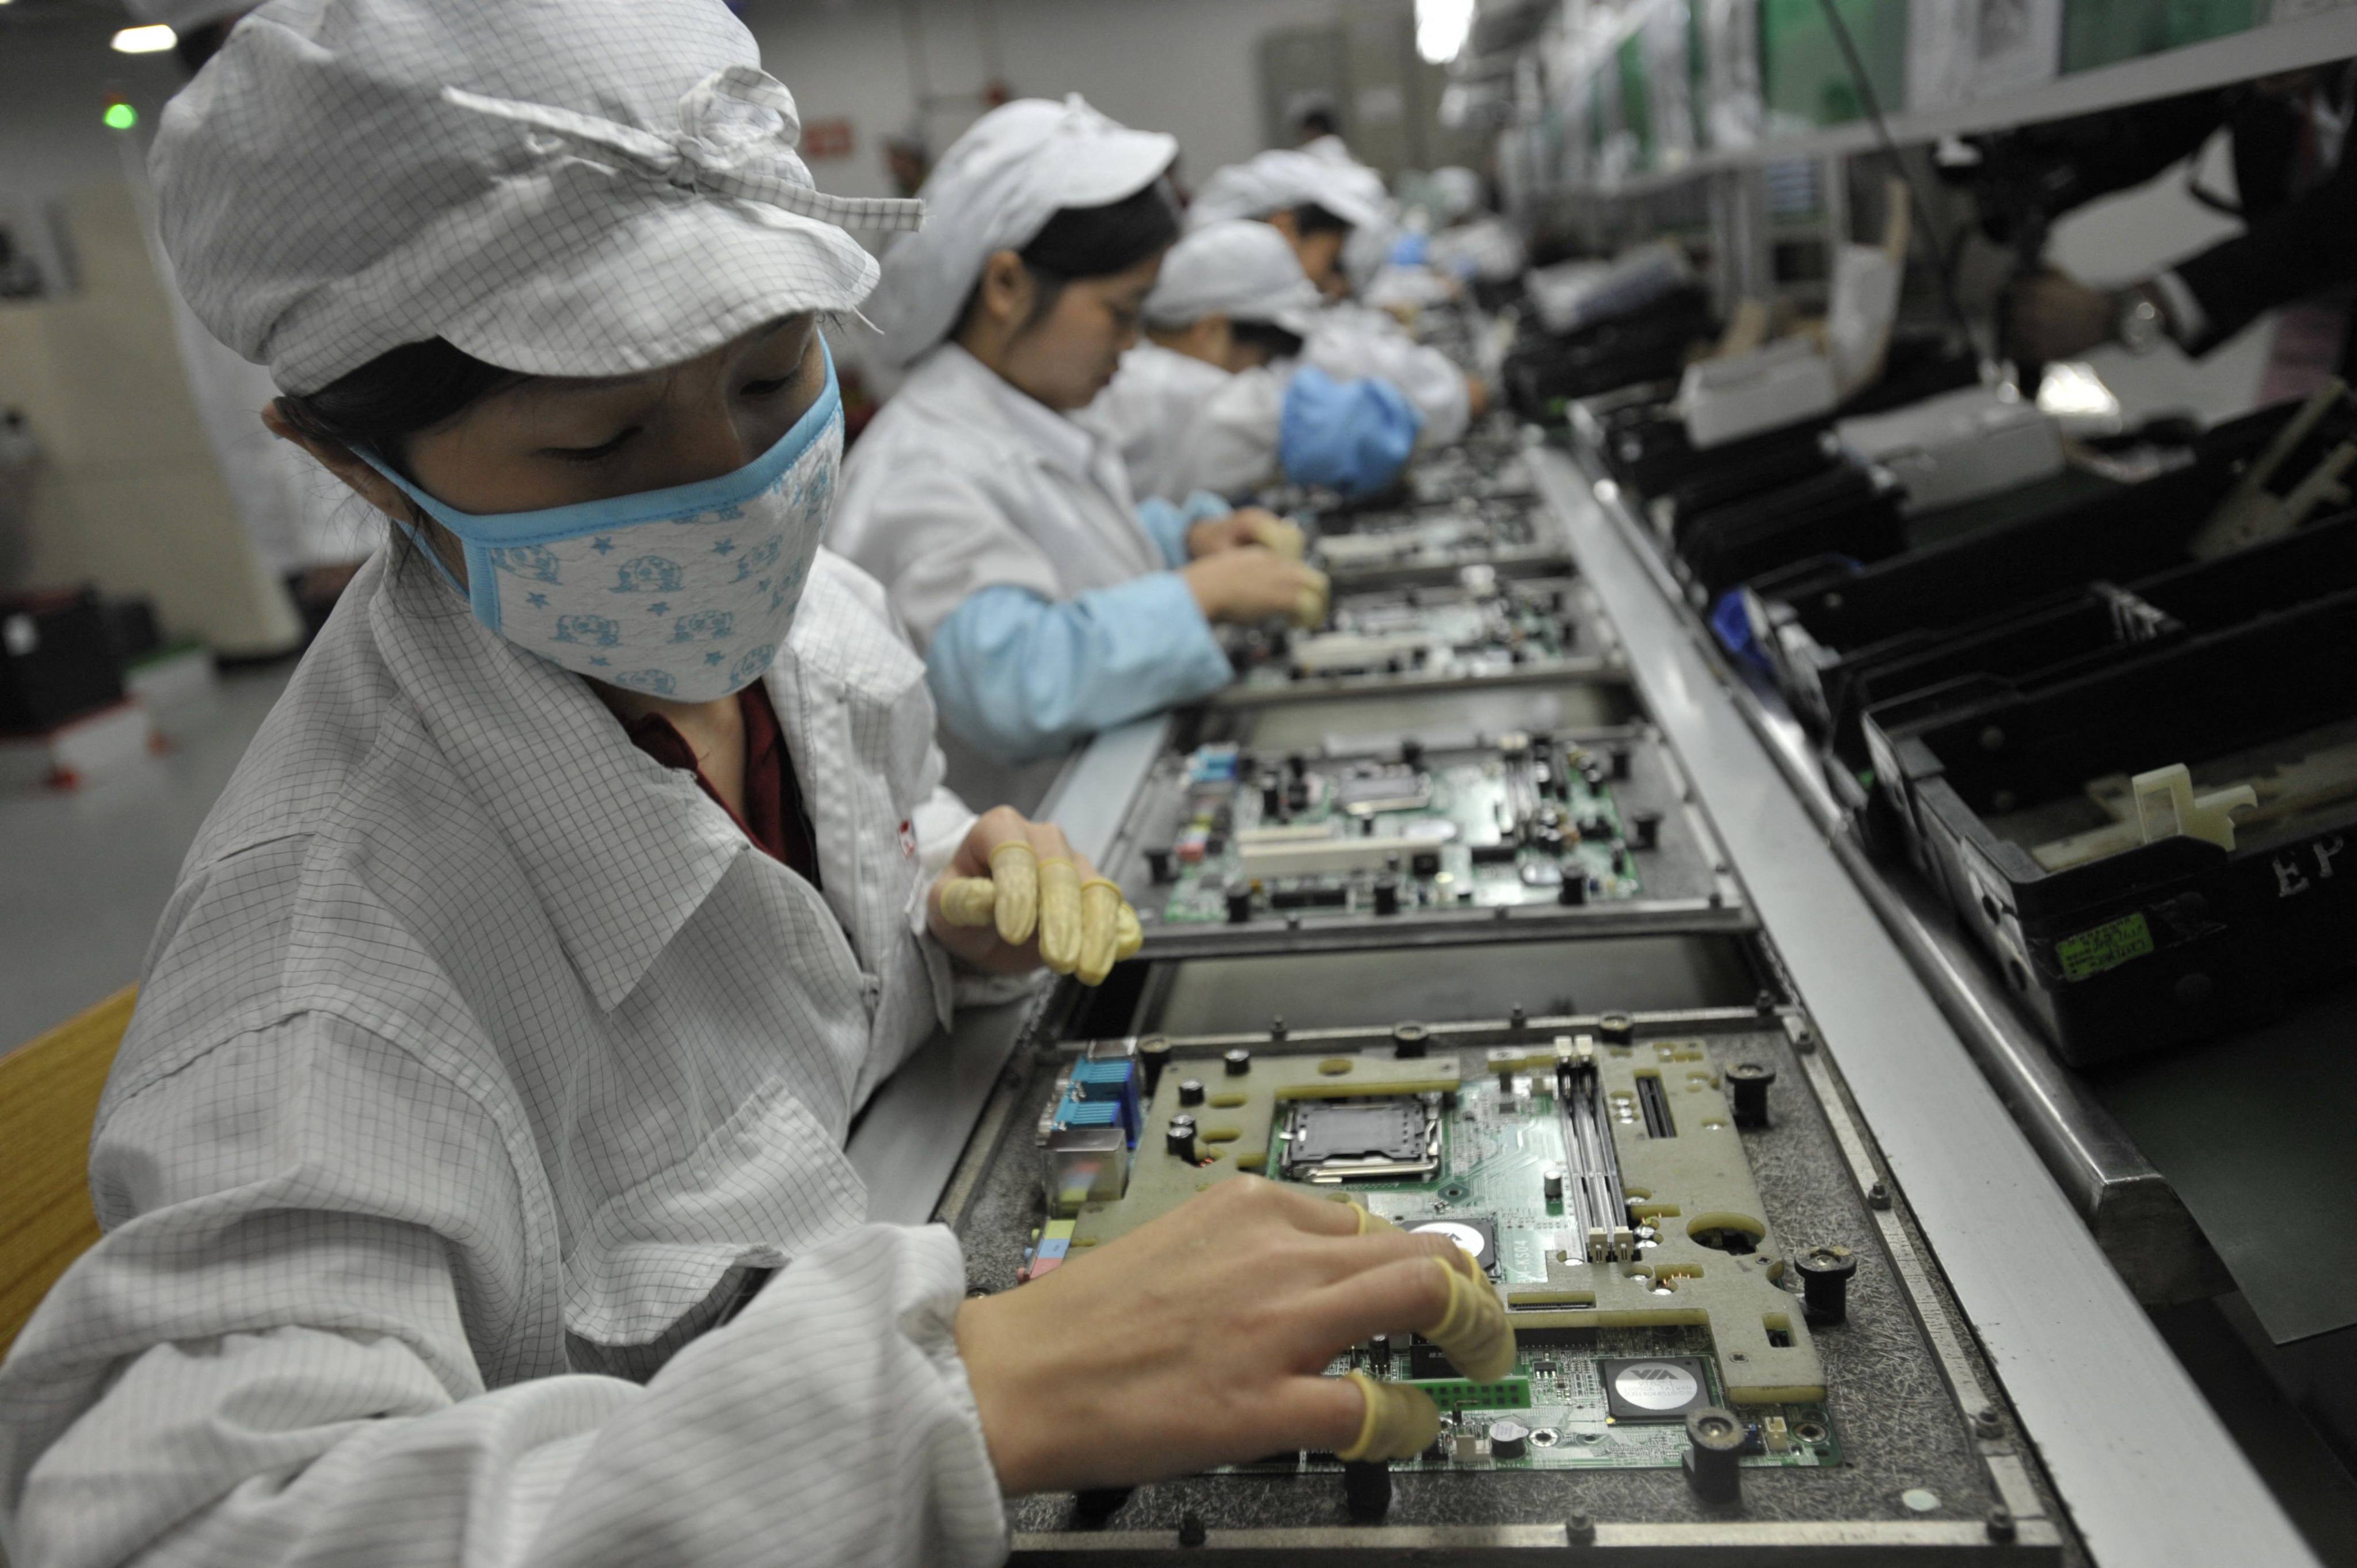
(2167, 941)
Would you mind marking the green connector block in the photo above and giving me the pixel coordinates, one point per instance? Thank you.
(1458, 1393)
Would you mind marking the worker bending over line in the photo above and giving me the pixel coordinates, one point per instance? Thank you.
(1215, 398)
(472, 1173)
(1321, 207)
(1049, 603)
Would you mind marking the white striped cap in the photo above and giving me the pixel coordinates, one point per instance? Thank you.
(592, 188)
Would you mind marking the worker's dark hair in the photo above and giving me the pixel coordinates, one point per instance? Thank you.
(1318, 121)
(393, 397)
(1311, 219)
(1090, 242)
(1268, 337)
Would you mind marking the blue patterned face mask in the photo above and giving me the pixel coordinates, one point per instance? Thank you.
(683, 592)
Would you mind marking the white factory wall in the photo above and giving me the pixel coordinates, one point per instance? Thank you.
(1188, 67)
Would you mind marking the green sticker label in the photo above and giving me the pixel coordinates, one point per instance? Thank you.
(2108, 946)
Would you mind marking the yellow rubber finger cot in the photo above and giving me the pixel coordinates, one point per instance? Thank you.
(969, 900)
(1059, 915)
(1369, 1220)
(1100, 929)
(1129, 935)
(1400, 1423)
(1310, 605)
(1279, 536)
(1473, 1333)
(1016, 869)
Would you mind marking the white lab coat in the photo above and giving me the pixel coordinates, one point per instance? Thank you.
(1355, 341)
(1182, 424)
(963, 483)
(478, 1059)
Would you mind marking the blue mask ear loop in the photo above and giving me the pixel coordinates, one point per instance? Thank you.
(486, 586)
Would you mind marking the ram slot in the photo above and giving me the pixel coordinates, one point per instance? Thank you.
(1592, 1167)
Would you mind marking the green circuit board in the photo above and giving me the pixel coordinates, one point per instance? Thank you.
(1602, 1188)
(1484, 629)
(1481, 828)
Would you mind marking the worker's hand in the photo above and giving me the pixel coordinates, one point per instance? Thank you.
(2051, 315)
(1200, 1338)
(1018, 896)
(1243, 527)
(1255, 584)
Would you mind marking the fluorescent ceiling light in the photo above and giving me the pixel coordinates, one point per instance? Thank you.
(1441, 28)
(145, 40)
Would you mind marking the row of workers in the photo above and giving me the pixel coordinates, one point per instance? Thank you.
(472, 1173)
(1047, 496)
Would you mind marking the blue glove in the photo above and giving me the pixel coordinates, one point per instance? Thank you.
(1353, 436)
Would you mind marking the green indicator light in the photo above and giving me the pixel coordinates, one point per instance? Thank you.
(120, 116)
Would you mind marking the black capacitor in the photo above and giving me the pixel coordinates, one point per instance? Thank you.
(1366, 827)
(1425, 862)
(1747, 1084)
(1619, 757)
(1296, 764)
(1238, 1062)
(1412, 752)
(1713, 1462)
(1239, 905)
(1386, 895)
(1624, 864)
(1367, 1488)
(1190, 1092)
(1592, 774)
(1410, 1040)
(1153, 1056)
(1509, 1439)
(1574, 891)
(1825, 1273)
(1297, 795)
(1158, 865)
(1180, 1138)
(1647, 826)
(1272, 797)
(1616, 1028)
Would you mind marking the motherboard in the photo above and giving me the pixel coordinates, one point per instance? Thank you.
(1480, 629)
(1431, 542)
(1528, 820)
(1600, 1180)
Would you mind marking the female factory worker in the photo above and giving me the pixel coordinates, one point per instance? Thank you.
(1006, 532)
(1322, 207)
(1213, 399)
(472, 1170)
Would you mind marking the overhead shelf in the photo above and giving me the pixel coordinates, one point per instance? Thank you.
(1601, 128)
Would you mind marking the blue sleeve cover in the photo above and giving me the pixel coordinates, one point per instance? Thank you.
(1019, 676)
(1353, 435)
(1167, 526)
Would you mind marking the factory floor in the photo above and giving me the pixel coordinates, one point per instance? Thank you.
(86, 871)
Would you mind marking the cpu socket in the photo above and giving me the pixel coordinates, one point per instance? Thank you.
(1396, 1138)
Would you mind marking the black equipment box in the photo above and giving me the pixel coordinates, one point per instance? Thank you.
(2019, 810)
(58, 660)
